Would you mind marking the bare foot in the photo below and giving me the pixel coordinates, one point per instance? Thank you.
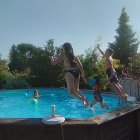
(85, 103)
(106, 106)
(92, 108)
(124, 99)
(124, 96)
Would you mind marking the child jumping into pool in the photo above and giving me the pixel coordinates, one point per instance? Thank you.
(110, 71)
(97, 93)
(95, 83)
(73, 70)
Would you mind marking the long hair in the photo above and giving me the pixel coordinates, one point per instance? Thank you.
(69, 53)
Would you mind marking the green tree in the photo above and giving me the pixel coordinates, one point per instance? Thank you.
(125, 44)
(3, 63)
(4, 74)
(100, 68)
(55, 74)
(20, 55)
(43, 73)
(89, 61)
(136, 60)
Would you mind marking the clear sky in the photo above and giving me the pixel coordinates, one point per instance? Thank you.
(79, 22)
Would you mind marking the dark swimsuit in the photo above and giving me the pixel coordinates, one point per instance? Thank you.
(97, 96)
(97, 93)
(74, 72)
(114, 77)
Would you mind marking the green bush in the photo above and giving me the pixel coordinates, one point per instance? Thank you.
(4, 75)
(10, 80)
(16, 84)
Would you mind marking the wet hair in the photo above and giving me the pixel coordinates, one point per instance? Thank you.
(35, 91)
(110, 51)
(69, 53)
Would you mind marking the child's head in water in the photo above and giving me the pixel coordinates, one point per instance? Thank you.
(36, 95)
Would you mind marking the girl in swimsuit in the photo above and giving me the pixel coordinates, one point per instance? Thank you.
(73, 70)
(97, 94)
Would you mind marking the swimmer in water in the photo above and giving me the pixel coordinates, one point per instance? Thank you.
(36, 94)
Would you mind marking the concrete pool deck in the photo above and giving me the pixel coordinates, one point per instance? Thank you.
(121, 124)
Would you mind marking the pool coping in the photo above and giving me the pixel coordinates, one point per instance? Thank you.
(98, 120)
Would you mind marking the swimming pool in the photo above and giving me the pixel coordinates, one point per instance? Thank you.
(19, 104)
(18, 117)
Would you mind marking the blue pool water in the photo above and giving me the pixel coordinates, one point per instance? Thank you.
(19, 104)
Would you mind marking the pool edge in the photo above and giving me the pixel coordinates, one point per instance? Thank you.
(97, 120)
(121, 124)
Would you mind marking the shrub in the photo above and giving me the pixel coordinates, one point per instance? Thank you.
(16, 84)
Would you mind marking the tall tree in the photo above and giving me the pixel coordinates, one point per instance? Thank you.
(20, 55)
(126, 44)
(44, 73)
(89, 61)
(55, 74)
(3, 62)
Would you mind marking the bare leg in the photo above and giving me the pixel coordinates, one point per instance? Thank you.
(78, 90)
(119, 89)
(71, 88)
(94, 101)
(124, 99)
(84, 98)
(103, 105)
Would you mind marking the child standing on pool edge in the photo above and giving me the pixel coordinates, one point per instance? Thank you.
(97, 87)
(110, 71)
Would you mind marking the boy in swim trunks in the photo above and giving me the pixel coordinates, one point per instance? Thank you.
(97, 94)
(111, 73)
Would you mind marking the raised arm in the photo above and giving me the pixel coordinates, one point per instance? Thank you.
(100, 50)
(57, 60)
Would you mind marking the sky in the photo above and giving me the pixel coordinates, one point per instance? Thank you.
(80, 22)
